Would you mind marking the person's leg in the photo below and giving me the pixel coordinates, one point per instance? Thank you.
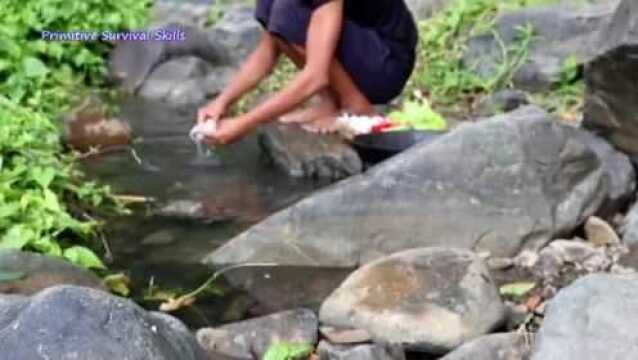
(342, 95)
(326, 103)
(288, 21)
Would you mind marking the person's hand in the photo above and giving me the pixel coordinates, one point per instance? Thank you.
(213, 111)
(227, 132)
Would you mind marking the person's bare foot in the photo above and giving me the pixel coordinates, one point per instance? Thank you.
(323, 125)
(323, 108)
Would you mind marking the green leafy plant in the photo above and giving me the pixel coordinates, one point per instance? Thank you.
(46, 205)
(440, 72)
(215, 14)
(517, 290)
(44, 74)
(36, 181)
(288, 351)
(566, 99)
(419, 115)
(118, 283)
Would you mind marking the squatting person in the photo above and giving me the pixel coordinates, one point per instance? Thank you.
(351, 54)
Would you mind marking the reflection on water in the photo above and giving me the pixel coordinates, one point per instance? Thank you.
(164, 164)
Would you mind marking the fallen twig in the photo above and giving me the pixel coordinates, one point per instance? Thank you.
(174, 304)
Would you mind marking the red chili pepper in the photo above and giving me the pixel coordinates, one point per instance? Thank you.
(381, 127)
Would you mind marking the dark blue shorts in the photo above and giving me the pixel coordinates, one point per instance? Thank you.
(379, 68)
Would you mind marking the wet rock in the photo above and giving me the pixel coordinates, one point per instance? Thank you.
(37, 272)
(622, 176)
(628, 262)
(511, 346)
(69, 322)
(237, 33)
(600, 233)
(501, 185)
(561, 32)
(345, 336)
(169, 81)
(499, 263)
(197, 91)
(87, 126)
(611, 77)
(131, 62)
(302, 154)
(430, 300)
(526, 259)
(502, 101)
(197, 42)
(630, 228)
(579, 254)
(327, 351)
(517, 315)
(251, 338)
(161, 237)
(592, 319)
(196, 211)
(183, 209)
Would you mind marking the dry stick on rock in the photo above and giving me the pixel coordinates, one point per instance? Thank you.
(108, 254)
(189, 299)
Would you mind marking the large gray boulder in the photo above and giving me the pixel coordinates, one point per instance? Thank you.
(502, 101)
(131, 63)
(185, 81)
(237, 32)
(612, 81)
(592, 319)
(561, 32)
(621, 174)
(630, 228)
(512, 182)
(251, 338)
(301, 154)
(68, 322)
(430, 300)
(510, 346)
(34, 272)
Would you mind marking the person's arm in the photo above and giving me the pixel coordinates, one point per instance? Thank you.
(323, 36)
(259, 64)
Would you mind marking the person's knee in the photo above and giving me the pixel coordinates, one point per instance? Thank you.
(281, 43)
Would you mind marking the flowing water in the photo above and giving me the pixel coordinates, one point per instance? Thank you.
(165, 165)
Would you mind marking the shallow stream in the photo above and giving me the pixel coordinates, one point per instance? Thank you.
(166, 253)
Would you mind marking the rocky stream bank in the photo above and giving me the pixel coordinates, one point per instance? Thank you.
(513, 236)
